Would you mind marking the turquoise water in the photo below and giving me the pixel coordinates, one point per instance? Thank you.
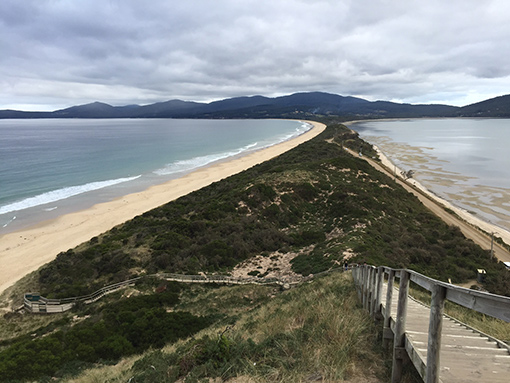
(465, 161)
(52, 167)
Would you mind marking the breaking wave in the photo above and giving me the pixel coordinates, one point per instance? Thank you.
(60, 194)
(197, 162)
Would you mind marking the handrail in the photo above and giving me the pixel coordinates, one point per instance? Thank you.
(35, 303)
(369, 283)
(496, 306)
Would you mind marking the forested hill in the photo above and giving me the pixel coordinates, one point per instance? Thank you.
(494, 107)
(299, 105)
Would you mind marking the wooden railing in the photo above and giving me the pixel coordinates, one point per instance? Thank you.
(369, 282)
(35, 303)
(226, 279)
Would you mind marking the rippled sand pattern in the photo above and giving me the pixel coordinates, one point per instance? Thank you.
(491, 204)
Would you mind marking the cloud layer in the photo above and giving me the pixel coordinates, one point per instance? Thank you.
(60, 53)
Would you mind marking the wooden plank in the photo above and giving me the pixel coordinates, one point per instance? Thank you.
(466, 355)
(416, 357)
(423, 281)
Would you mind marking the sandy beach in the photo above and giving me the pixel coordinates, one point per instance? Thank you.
(26, 250)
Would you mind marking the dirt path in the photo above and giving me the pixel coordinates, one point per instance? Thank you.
(470, 231)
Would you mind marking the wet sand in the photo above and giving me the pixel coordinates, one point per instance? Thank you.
(24, 251)
(453, 195)
(482, 206)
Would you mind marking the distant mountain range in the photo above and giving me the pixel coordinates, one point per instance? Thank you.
(298, 105)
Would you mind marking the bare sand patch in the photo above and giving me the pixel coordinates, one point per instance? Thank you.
(273, 265)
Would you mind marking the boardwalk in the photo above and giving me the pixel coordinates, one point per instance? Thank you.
(442, 349)
(35, 303)
(466, 356)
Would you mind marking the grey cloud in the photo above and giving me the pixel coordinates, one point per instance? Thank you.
(63, 53)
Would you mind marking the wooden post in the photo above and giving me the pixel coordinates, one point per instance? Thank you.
(357, 280)
(370, 289)
(373, 291)
(378, 293)
(365, 286)
(387, 333)
(399, 351)
(435, 329)
(369, 275)
(362, 284)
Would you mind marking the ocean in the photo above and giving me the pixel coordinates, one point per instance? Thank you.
(50, 167)
(464, 161)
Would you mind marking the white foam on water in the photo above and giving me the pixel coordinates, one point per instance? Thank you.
(200, 161)
(197, 162)
(60, 194)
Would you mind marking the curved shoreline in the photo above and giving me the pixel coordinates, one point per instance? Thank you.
(24, 251)
(462, 213)
(465, 215)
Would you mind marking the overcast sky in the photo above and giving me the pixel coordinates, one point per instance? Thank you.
(55, 54)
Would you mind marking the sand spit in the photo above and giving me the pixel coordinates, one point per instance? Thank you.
(26, 250)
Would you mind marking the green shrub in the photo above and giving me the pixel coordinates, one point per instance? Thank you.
(308, 237)
(123, 328)
(292, 200)
(310, 264)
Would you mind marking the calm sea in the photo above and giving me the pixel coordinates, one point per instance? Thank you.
(465, 161)
(52, 167)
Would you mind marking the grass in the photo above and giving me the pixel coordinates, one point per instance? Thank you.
(315, 331)
(315, 200)
(224, 300)
(285, 205)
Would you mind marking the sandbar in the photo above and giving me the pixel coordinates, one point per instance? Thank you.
(26, 250)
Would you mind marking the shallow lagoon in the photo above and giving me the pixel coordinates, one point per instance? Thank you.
(465, 161)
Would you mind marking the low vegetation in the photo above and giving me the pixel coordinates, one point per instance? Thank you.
(316, 200)
(299, 335)
(315, 332)
(317, 203)
(122, 328)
